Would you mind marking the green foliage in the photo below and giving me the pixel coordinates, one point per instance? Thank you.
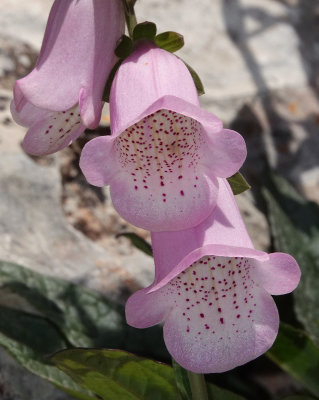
(295, 353)
(138, 242)
(184, 387)
(238, 183)
(144, 30)
(295, 228)
(169, 41)
(217, 393)
(84, 317)
(115, 374)
(298, 397)
(29, 339)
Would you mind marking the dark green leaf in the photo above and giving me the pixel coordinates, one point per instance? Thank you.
(124, 47)
(216, 393)
(108, 85)
(138, 242)
(198, 83)
(170, 41)
(298, 397)
(182, 382)
(295, 227)
(30, 339)
(184, 388)
(84, 317)
(295, 353)
(114, 374)
(144, 30)
(238, 183)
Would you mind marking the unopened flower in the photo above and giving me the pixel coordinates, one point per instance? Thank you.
(165, 152)
(213, 291)
(63, 94)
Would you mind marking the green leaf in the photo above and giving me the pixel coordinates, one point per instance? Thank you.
(217, 393)
(84, 317)
(108, 85)
(114, 374)
(138, 242)
(29, 339)
(182, 381)
(298, 397)
(169, 41)
(198, 83)
(238, 183)
(144, 30)
(124, 47)
(295, 228)
(184, 387)
(295, 353)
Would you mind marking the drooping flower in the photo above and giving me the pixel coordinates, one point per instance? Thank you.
(213, 291)
(63, 94)
(165, 152)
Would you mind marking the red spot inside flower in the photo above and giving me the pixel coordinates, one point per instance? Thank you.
(221, 320)
(201, 315)
(182, 192)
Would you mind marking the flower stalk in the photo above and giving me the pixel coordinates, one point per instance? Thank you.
(130, 16)
(198, 386)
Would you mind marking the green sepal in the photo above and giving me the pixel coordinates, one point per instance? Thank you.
(169, 41)
(198, 83)
(138, 242)
(238, 183)
(124, 47)
(144, 30)
(108, 85)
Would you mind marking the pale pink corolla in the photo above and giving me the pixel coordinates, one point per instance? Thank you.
(63, 94)
(213, 291)
(165, 152)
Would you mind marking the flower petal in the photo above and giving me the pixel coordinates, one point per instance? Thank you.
(227, 152)
(212, 346)
(78, 33)
(143, 310)
(97, 161)
(278, 275)
(151, 73)
(28, 114)
(162, 185)
(53, 132)
(216, 316)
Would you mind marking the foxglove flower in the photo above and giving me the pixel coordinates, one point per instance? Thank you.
(63, 94)
(213, 291)
(165, 152)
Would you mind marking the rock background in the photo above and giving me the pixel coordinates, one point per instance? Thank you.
(258, 60)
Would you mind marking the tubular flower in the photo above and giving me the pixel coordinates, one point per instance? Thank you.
(213, 291)
(165, 152)
(63, 94)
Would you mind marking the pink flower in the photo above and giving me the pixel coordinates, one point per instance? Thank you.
(165, 152)
(212, 290)
(63, 94)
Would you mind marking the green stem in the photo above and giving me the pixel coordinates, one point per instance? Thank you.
(198, 386)
(130, 16)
